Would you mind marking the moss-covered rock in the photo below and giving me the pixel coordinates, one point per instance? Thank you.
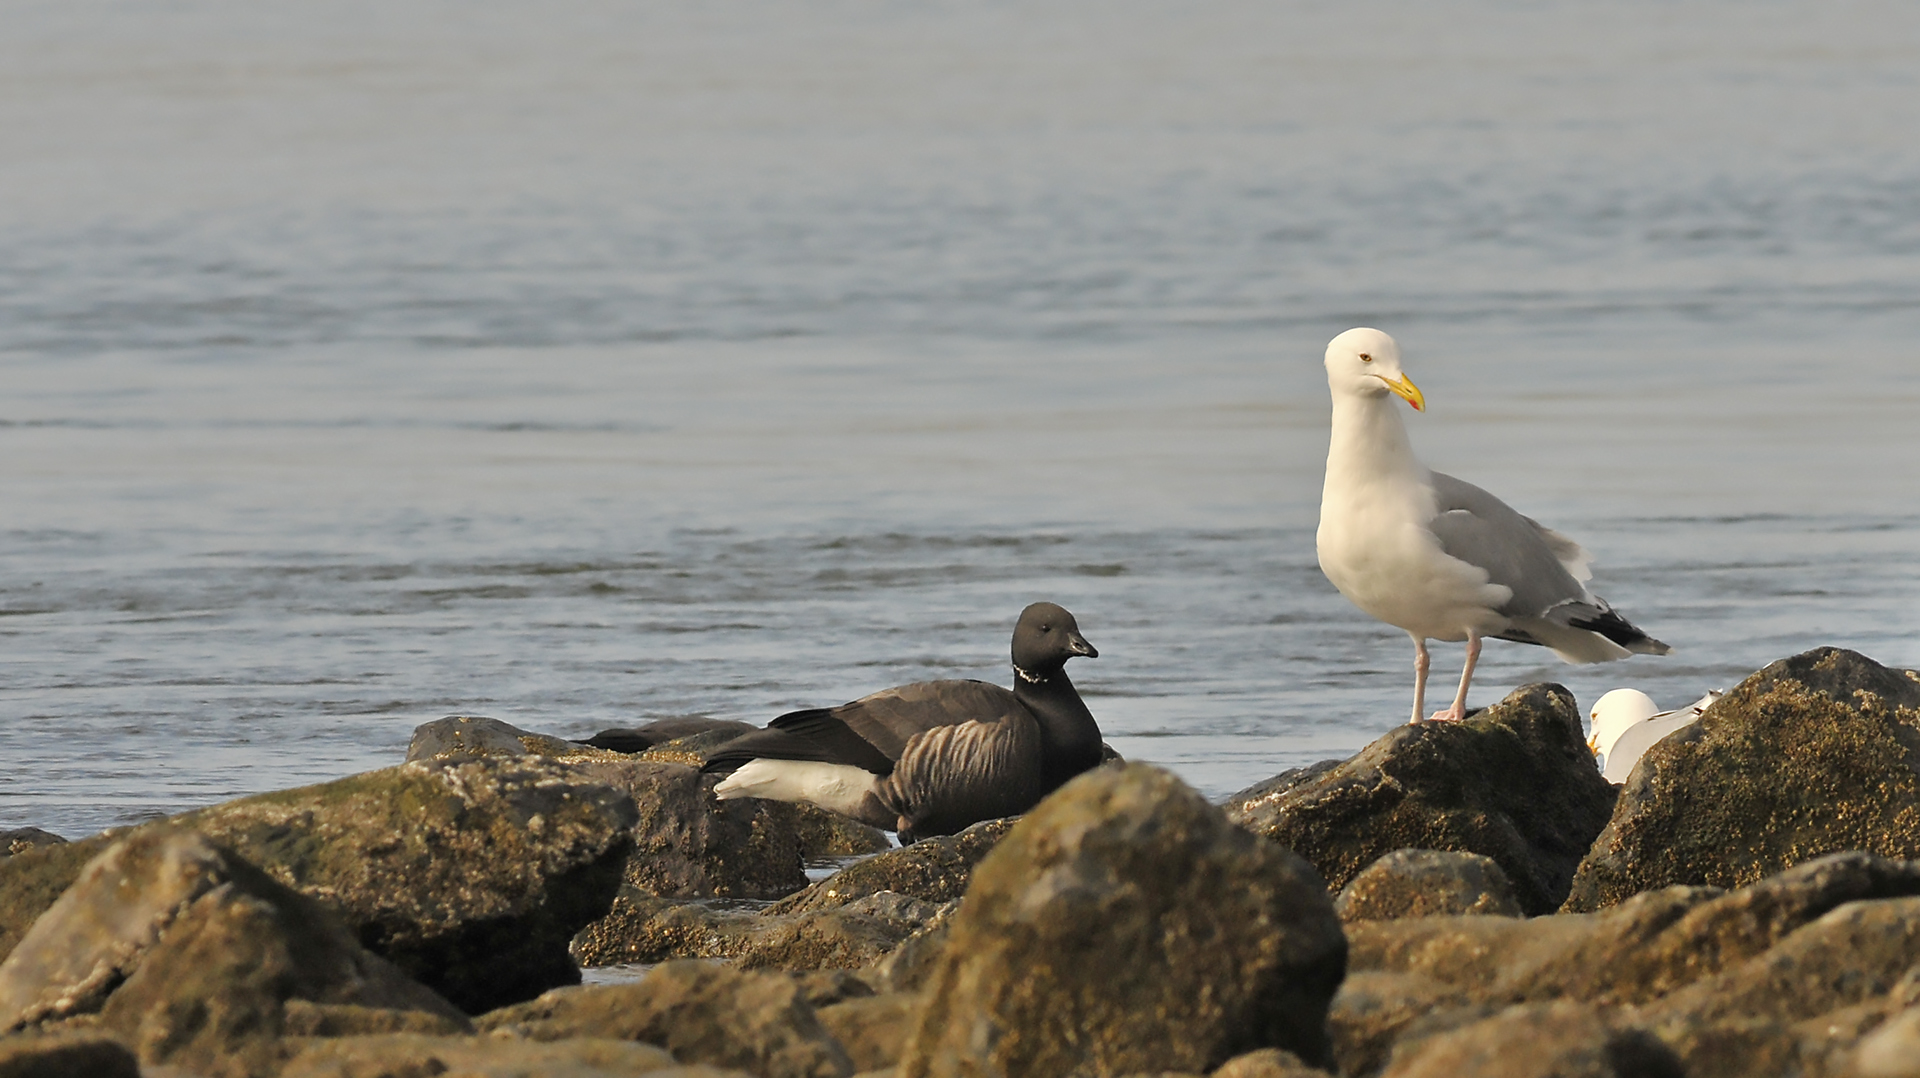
(1427, 883)
(1813, 754)
(1515, 783)
(470, 873)
(1125, 925)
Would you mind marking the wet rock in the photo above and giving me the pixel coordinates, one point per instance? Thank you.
(873, 1029)
(1427, 883)
(1373, 1010)
(932, 870)
(413, 1056)
(1543, 1040)
(1514, 783)
(701, 1012)
(475, 735)
(191, 955)
(1125, 925)
(21, 839)
(65, 1055)
(1813, 754)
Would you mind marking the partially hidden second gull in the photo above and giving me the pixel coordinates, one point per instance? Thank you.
(1626, 723)
(1438, 557)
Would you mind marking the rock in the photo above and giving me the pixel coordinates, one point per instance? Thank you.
(1125, 925)
(1373, 1010)
(932, 870)
(701, 1012)
(21, 839)
(65, 1055)
(304, 1018)
(1847, 956)
(1893, 1050)
(855, 935)
(1809, 756)
(191, 955)
(872, 1029)
(909, 966)
(33, 878)
(475, 735)
(1542, 1040)
(829, 837)
(1729, 929)
(644, 929)
(1267, 1063)
(687, 844)
(641, 928)
(1514, 783)
(413, 1056)
(472, 874)
(1427, 883)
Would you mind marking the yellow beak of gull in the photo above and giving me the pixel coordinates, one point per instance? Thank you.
(1404, 387)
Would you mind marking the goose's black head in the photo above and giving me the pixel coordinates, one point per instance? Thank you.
(1044, 639)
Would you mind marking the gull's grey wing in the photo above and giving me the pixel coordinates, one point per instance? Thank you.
(1482, 530)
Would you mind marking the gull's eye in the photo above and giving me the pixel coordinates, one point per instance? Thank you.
(1365, 358)
(1046, 628)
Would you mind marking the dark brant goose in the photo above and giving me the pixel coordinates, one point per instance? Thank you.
(932, 757)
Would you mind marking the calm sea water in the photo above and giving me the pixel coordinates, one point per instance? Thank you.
(578, 365)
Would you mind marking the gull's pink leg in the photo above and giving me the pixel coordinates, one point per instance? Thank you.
(1459, 709)
(1421, 663)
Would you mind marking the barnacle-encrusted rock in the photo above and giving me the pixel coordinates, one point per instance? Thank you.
(1515, 783)
(1811, 755)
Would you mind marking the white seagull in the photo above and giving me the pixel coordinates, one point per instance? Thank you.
(1626, 724)
(1439, 558)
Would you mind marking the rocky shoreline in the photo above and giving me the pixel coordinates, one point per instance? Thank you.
(1456, 899)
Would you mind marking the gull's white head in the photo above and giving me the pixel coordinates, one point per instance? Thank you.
(1614, 714)
(1366, 363)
